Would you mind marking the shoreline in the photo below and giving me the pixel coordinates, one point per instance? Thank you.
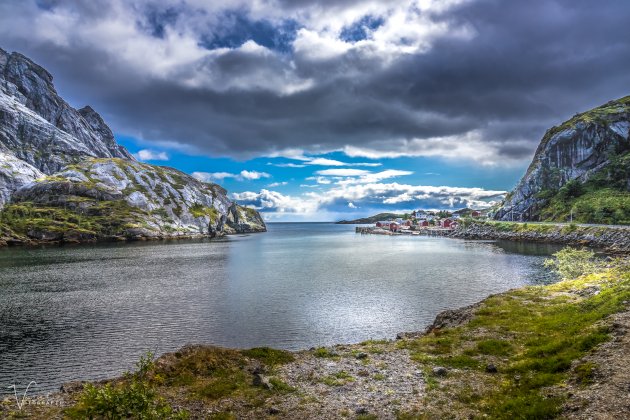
(611, 239)
(40, 404)
(34, 243)
(412, 374)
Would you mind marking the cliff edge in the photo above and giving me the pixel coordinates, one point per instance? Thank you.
(580, 171)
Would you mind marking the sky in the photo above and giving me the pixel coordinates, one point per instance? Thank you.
(326, 110)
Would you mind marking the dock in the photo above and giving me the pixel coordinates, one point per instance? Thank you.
(426, 231)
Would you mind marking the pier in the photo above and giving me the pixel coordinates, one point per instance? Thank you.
(426, 231)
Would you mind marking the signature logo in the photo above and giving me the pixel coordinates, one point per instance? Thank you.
(20, 403)
(38, 400)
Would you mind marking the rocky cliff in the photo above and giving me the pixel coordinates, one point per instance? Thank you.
(39, 127)
(63, 177)
(584, 149)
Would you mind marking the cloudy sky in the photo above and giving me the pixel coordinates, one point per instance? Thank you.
(318, 110)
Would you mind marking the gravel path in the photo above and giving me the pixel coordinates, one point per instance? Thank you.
(608, 397)
(376, 379)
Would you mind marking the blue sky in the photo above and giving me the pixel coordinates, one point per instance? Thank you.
(324, 109)
(303, 176)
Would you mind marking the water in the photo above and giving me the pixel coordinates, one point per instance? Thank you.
(88, 312)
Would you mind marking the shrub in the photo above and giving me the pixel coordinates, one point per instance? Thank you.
(323, 352)
(571, 263)
(135, 397)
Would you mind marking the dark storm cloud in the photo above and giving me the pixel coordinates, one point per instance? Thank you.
(524, 67)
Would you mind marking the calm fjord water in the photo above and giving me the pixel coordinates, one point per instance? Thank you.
(88, 312)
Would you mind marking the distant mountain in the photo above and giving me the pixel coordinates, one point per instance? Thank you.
(581, 171)
(371, 219)
(63, 177)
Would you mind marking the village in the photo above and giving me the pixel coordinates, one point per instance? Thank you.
(423, 222)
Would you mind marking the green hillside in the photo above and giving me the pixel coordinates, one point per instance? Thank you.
(604, 198)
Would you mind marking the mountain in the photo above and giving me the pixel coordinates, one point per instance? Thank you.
(63, 177)
(580, 171)
(370, 219)
(42, 129)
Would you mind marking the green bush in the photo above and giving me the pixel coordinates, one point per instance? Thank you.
(134, 398)
(570, 263)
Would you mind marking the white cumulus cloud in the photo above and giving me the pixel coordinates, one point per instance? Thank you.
(342, 172)
(253, 175)
(146, 154)
(244, 175)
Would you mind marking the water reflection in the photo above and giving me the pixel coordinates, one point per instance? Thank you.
(88, 312)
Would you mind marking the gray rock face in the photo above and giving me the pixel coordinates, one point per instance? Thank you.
(153, 201)
(39, 127)
(243, 219)
(14, 173)
(577, 149)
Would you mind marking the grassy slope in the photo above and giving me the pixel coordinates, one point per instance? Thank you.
(104, 218)
(607, 205)
(534, 336)
(519, 227)
(604, 198)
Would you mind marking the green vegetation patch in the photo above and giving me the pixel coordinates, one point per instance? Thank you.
(323, 352)
(135, 396)
(269, 356)
(603, 199)
(533, 336)
(519, 227)
(593, 205)
(338, 379)
(211, 374)
(95, 219)
(494, 347)
(198, 210)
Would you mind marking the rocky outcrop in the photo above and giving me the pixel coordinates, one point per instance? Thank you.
(122, 199)
(575, 150)
(243, 220)
(64, 178)
(612, 239)
(14, 173)
(42, 129)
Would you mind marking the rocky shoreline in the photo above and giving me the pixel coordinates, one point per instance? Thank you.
(610, 239)
(6, 242)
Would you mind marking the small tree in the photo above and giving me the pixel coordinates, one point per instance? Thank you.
(571, 263)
